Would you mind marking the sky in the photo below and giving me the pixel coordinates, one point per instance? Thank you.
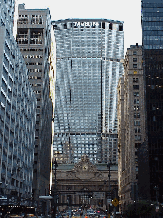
(128, 11)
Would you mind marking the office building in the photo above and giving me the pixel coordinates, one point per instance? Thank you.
(88, 53)
(133, 177)
(17, 113)
(152, 38)
(34, 40)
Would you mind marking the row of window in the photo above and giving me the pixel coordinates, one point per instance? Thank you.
(31, 49)
(33, 63)
(32, 56)
(34, 77)
(25, 16)
(32, 41)
(35, 70)
(35, 19)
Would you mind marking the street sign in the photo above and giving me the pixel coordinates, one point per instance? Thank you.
(115, 202)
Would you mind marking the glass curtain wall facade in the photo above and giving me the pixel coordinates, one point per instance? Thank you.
(152, 26)
(88, 67)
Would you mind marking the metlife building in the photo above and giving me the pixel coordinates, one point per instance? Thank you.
(88, 67)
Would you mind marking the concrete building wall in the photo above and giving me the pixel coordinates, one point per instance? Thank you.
(34, 40)
(17, 113)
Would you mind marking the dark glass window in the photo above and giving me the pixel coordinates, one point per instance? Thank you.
(136, 115)
(136, 122)
(134, 65)
(136, 94)
(136, 101)
(136, 108)
(137, 130)
(135, 80)
(135, 86)
(134, 59)
(137, 137)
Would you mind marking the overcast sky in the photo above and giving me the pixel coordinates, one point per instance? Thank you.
(128, 11)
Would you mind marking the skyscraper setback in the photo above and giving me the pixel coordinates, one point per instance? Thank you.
(89, 53)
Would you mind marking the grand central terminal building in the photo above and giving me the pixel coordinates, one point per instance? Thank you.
(85, 185)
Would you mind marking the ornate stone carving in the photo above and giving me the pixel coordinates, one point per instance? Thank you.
(84, 165)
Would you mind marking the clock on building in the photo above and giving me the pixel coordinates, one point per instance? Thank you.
(85, 167)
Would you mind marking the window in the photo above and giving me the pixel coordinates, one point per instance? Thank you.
(36, 19)
(137, 130)
(136, 115)
(135, 87)
(136, 94)
(134, 52)
(134, 59)
(137, 137)
(23, 19)
(120, 27)
(136, 101)
(134, 65)
(137, 145)
(136, 122)
(135, 80)
(136, 108)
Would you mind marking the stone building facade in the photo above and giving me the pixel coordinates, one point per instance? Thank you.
(85, 185)
(131, 127)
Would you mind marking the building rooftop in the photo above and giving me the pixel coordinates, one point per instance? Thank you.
(87, 20)
(22, 7)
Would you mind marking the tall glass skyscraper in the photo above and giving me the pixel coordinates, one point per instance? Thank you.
(89, 53)
(152, 30)
(152, 24)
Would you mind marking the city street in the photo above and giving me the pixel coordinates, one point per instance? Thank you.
(81, 213)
